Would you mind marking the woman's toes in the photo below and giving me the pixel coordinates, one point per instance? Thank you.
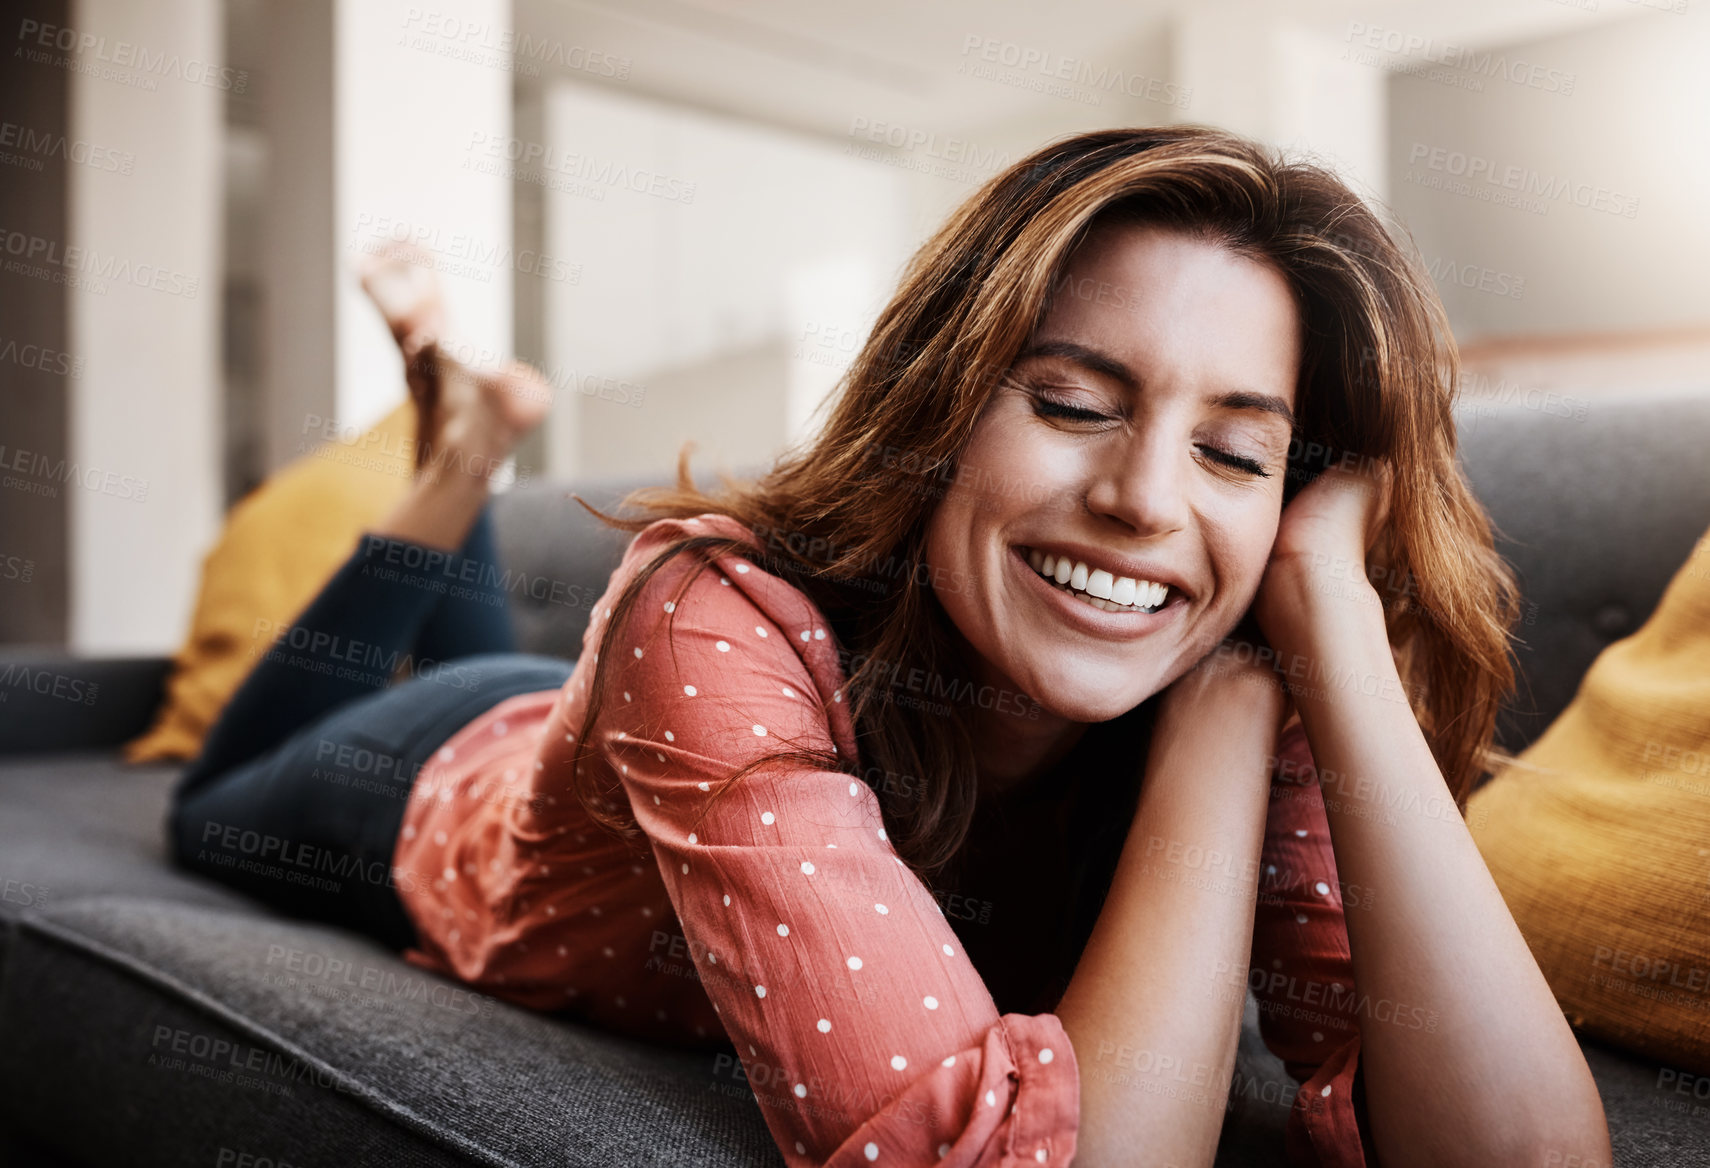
(401, 283)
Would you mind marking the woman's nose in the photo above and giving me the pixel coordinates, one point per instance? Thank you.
(1141, 485)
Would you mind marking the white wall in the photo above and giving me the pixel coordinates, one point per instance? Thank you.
(145, 415)
(732, 314)
(367, 105)
(1254, 71)
(413, 83)
(1636, 124)
(693, 296)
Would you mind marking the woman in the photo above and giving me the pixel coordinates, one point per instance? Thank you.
(1047, 615)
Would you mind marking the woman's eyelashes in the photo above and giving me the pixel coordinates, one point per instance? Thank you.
(1235, 461)
(1051, 407)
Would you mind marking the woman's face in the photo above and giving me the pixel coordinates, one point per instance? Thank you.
(1142, 436)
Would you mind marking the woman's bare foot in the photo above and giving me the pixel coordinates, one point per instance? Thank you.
(399, 280)
(470, 413)
(485, 412)
(469, 416)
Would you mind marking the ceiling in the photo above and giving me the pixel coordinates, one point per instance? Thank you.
(817, 66)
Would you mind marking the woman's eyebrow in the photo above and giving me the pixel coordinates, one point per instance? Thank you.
(1093, 359)
(1103, 363)
(1246, 399)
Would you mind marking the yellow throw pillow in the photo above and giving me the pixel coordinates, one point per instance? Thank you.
(1599, 837)
(281, 543)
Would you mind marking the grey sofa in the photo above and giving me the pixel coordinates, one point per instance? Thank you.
(151, 1017)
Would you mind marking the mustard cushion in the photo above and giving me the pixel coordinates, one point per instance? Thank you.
(1599, 836)
(280, 544)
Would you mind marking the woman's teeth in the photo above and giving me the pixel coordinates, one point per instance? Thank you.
(1098, 587)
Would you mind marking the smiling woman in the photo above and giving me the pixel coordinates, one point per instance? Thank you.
(1098, 502)
(1162, 404)
(1126, 404)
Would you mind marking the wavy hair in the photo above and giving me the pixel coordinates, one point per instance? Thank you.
(844, 514)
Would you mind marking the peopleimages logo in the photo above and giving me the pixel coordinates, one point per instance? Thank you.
(459, 253)
(1035, 68)
(1482, 63)
(37, 256)
(485, 43)
(928, 144)
(86, 48)
(47, 144)
(534, 156)
(1523, 179)
(41, 472)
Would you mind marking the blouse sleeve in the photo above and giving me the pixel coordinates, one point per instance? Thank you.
(864, 1028)
(1302, 972)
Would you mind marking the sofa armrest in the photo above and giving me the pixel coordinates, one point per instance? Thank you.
(52, 701)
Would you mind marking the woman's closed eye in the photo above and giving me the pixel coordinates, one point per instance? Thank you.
(1235, 461)
(1051, 407)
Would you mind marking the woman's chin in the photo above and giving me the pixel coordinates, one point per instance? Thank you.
(1078, 704)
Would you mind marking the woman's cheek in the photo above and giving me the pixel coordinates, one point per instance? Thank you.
(1239, 564)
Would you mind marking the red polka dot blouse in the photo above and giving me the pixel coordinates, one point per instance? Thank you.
(775, 920)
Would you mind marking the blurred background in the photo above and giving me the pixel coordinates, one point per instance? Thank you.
(687, 213)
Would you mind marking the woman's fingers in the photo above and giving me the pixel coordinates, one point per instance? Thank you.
(1345, 508)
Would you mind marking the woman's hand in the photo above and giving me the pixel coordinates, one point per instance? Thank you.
(1322, 547)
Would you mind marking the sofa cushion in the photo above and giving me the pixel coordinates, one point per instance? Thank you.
(279, 545)
(75, 825)
(180, 1029)
(129, 990)
(1597, 835)
(386, 1064)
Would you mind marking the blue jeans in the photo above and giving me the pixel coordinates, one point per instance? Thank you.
(299, 793)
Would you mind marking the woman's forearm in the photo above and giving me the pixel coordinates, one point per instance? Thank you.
(1465, 1054)
(1154, 1007)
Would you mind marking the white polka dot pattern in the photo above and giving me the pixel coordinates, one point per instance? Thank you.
(1300, 937)
(842, 968)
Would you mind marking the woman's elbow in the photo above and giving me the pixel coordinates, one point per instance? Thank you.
(1567, 1135)
(1575, 1136)
(1581, 1143)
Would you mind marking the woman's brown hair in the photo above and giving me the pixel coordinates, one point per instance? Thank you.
(843, 516)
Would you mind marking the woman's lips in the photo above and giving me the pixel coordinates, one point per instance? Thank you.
(1132, 622)
(1102, 589)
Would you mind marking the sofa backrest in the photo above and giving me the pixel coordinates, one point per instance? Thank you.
(558, 557)
(1595, 506)
(1596, 513)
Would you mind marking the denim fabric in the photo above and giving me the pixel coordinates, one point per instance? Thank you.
(299, 792)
